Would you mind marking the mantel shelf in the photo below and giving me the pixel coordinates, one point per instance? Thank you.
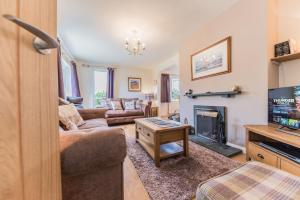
(285, 58)
(226, 94)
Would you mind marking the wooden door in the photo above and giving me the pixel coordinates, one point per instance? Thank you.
(29, 140)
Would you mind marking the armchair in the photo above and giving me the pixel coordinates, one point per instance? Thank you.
(92, 164)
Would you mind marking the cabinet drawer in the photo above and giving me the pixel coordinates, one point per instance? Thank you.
(148, 135)
(290, 166)
(171, 136)
(139, 128)
(262, 155)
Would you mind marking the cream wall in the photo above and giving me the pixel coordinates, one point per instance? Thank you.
(168, 66)
(121, 81)
(86, 77)
(289, 27)
(246, 22)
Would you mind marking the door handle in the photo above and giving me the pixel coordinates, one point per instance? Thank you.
(260, 156)
(43, 43)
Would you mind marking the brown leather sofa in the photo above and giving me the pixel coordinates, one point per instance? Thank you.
(123, 116)
(92, 159)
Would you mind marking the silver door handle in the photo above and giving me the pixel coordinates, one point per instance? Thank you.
(43, 42)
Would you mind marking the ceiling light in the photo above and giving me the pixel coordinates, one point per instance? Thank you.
(134, 45)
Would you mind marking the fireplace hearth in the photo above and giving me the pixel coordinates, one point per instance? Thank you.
(210, 129)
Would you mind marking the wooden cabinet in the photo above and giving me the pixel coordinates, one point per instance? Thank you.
(259, 133)
(159, 142)
(262, 155)
(290, 166)
(153, 111)
(148, 135)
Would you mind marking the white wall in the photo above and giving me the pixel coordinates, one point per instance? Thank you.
(289, 27)
(86, 81)
(247, 23)
(168, 66)
(121, 82)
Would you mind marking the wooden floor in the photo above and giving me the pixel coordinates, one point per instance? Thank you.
(133, 187)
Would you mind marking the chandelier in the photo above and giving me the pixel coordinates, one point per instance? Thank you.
(134, 45)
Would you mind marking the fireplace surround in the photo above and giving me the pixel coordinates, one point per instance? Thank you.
(210, 122)
(210, 129)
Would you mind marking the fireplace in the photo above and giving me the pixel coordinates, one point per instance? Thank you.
(210, 122)
(210, 129)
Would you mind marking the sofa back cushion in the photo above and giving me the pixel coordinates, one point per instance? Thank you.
(129, 105)
(104, 103)
(116, 105)
(139, 104)
(62, 101)
(70, 117)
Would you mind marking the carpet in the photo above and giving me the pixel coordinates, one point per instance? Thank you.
(178, 177)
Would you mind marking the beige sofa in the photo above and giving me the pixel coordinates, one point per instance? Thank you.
(92, 159)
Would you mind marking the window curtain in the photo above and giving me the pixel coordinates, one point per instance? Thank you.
(61, 89)
(110, 83)
(74, 80)
(165, 88)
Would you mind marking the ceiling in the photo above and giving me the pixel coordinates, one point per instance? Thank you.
(94, 30)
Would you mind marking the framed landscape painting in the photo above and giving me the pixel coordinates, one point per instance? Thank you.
(134, 84)
(212, 61)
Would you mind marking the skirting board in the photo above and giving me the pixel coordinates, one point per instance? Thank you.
(237, 146)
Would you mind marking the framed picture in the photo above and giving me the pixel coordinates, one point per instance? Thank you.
(212, 61)
(134, 84)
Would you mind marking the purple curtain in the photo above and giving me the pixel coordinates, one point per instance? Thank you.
(74, 80)
(110, 83)
(61, 89)
(165, 88)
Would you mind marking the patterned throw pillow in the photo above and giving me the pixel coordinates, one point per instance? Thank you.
(62, 101)
(69, 116)
(129, 105)
(116, 105)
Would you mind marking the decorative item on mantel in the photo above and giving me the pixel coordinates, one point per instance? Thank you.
(285, 48)
(227, 94)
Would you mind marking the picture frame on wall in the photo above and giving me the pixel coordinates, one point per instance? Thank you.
(134, 84)
(212, 61)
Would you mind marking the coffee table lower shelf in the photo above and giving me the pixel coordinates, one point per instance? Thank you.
(166, 150)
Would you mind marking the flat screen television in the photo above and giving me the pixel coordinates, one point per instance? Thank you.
(284, 107)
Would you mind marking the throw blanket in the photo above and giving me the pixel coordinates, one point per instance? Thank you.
(251, 181)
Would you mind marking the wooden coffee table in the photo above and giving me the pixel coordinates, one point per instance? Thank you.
(159, 142)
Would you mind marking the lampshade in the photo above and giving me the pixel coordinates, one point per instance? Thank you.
(149, 96)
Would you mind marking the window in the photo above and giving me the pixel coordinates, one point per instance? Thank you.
(175, 93)
(66, 70)
(100, 83)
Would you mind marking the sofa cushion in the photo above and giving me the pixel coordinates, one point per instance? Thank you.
(134, 113)
(123, 113)
(62, 101)
(104, 103)
(69, 116)
(116, 105)
(93, 123)
(122, 120)
(139, 104)
(85, 151)
(129, 105)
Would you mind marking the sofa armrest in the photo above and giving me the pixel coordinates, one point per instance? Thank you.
(82, 151)
(92, 113)
(147, 108)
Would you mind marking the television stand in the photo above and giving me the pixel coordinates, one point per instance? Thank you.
(258, 134)
(281, 129)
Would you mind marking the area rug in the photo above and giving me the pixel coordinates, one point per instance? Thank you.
(178, 177)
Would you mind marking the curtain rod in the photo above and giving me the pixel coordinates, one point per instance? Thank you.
(91, 65)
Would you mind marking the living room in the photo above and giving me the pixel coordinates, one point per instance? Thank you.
(157, 100)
